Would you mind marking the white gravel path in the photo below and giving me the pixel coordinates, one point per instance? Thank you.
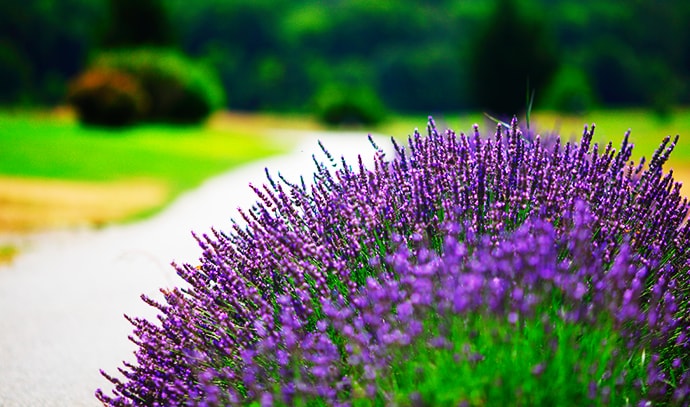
(62, 300)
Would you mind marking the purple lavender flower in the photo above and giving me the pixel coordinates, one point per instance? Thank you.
(326, 286)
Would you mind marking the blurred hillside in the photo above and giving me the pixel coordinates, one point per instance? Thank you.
(428, 56)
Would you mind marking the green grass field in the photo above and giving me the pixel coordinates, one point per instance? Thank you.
(49, 146)
(647, 129)
(43, 146)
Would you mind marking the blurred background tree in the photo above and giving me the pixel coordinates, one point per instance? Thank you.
(513, 56)
(413, 56)
(42, 44)
(139, 75)
(134, 23)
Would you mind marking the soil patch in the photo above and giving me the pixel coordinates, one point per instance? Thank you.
(31, 204)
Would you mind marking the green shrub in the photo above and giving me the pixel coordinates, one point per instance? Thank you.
(107, 98)
(340, 104)
(179, 90)
(569, 92)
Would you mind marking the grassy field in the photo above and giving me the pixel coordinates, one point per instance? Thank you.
(647, 129)
(57, 173)
(48, 147)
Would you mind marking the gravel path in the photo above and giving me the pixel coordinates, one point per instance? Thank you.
(62, 300)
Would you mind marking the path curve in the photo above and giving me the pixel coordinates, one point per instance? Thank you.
(62, 300)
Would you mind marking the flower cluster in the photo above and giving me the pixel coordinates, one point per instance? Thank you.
(376, 284)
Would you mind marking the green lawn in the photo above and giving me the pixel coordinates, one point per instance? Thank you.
(647, 129)
(41, 145)
(45, 146)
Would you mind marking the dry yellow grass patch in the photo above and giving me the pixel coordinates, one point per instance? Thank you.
(252, 122)
(30, 204)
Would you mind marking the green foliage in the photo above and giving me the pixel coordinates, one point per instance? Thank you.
(512, 53)
(242, 40)
(265, 51)
(178, 89)
(135, 23)
(108, 98)
(311, 39)
(663, 90)
(43, 44)
(14, 73)
(536, 362)
(180, 157)
(407, 77)
(569, 92)
(338, 104)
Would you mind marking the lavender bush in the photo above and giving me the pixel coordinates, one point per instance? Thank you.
(502, 271)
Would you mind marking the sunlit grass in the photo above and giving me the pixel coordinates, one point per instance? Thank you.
(647, 128)
(39, 145)
(43, 146)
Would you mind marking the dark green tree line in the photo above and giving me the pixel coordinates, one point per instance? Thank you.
(512, 56)
(415, 56)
